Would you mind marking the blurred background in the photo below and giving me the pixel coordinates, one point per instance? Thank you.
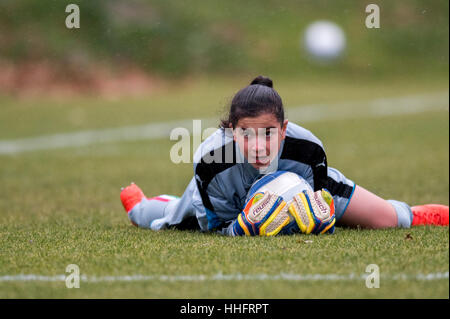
(136, 46)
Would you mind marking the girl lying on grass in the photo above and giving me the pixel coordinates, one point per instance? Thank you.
(255, 142)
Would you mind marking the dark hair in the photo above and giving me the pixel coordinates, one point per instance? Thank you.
(255, 99)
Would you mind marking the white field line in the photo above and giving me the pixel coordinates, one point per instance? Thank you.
(307, 113)
(230, 277)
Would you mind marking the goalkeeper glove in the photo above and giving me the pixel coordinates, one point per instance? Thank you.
(313, 211)
(264, 214)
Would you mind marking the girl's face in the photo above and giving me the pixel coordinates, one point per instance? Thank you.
(259, 138)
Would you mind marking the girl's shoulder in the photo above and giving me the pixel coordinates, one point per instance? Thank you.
(215, 141)
(295, 131)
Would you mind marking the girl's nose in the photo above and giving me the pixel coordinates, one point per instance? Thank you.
(259, 145)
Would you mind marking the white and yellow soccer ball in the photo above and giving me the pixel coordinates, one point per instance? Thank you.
(285, 202)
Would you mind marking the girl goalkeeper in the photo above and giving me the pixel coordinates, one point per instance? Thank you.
(256, 139)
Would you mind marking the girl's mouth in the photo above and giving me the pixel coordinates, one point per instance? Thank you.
(263, 160)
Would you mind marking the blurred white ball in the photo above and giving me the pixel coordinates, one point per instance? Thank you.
(324, 40)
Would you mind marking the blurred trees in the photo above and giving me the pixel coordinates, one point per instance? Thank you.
(173, 38)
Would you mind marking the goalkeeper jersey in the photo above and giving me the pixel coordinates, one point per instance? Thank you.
(217, 192)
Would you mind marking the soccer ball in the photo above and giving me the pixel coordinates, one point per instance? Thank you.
(282, 183)
(288, 185)
(324, 40)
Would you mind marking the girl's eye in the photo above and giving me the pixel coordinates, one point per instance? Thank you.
(270, 132)
(246, 133)
(250, 132)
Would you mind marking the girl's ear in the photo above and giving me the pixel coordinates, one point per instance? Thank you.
(284, 128)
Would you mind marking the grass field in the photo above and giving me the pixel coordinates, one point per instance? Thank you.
(62, 206)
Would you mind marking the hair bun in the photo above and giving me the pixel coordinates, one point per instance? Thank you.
(262, 80)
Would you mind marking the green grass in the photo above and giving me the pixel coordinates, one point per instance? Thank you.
(62, 206)
(122, 250)
(197, 98)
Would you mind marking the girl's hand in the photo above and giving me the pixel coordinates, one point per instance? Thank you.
(313, 211)
(264, 214)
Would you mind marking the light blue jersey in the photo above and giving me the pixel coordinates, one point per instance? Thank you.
(217, 192)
